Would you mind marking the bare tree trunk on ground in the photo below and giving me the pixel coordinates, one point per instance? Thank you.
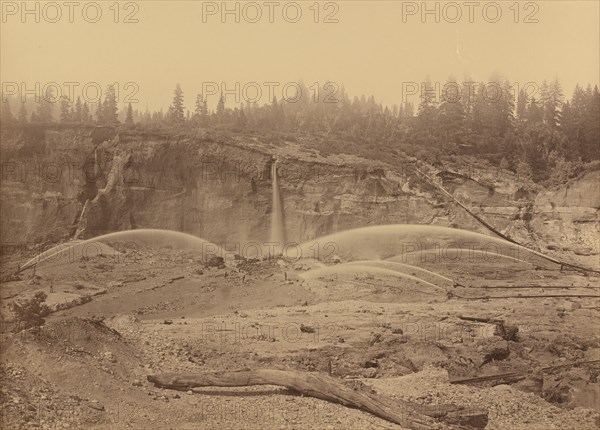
(409, 415)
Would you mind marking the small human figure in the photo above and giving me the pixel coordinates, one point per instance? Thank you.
(51, 286)
(285, 276)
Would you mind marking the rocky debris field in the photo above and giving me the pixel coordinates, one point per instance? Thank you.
(529, 362)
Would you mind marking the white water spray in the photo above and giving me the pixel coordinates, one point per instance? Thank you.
(277, 229)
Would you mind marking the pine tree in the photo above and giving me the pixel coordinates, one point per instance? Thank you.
(426, 114)
(544, 100)
(78, 114)
(535, 112)
(176, 111)
(22, 114)
(45, 107)
(553, 105)
(204, 111)
(129, 117)
(85, 114)
(65, 109)
(521, 105)
(506, 109)
(109, 107)
(469, 92)
(480, 115)
(100, 112)
(451, 115)
(241, 120)
(201, 110)
(495, 107)
(577, 111)
(277, 115)
(567, 123)
(221, 107)
(6, 116)
(551, 99)
(591, 126)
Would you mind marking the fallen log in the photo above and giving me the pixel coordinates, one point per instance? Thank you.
(543, 287)
(325, 387)
(574, 364)
(537, 296)
(500, 378)
(509, 377)
(480, 319)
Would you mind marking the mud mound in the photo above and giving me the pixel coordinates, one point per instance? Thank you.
(127, 326)
(62, 350)
(90, 334)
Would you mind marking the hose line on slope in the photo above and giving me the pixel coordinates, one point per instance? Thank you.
(493, 229)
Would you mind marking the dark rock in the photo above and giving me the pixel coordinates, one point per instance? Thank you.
(506, 331)
(495, 351)
(216, 261)
(306, 329)
(370, 363)
(375, 338)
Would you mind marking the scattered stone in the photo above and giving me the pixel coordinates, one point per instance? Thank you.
(371, 362)
(216, 261)
(506, 331)
(109, 356)
(95, 405)
(306, 329)
(575, 305)
(375, 338)
(370, 372)
(495, 350)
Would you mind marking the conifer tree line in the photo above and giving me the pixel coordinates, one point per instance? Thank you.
(542, 135)
(49, 110)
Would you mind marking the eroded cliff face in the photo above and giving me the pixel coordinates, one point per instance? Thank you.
(563, 219)
(43, 182)
(62, 183)
(223, 191)
(570, 215)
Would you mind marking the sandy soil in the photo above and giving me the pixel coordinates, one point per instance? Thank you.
(162, 310)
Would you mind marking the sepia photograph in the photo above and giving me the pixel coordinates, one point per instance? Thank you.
(300, 215)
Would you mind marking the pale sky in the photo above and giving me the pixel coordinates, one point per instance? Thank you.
(370, 50)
